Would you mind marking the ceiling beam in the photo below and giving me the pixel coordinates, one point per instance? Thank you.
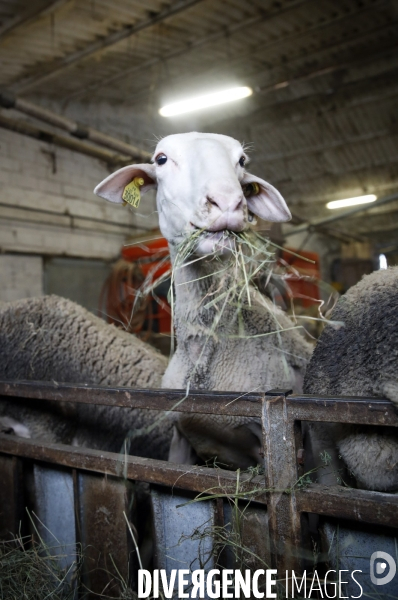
(312, 106)
(325, 147)
(386, 220)
(239, 64)
(228, 31)
(34, 11)
(195, 43)
(48, 70)
(362, 174)
(347, 213)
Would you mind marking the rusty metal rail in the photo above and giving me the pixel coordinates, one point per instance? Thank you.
(281, 413)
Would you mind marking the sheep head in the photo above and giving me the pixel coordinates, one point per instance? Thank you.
(202, 185)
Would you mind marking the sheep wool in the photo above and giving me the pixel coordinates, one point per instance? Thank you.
(53, 339)
(361, 359)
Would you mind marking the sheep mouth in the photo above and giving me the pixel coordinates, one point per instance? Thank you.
(219, 234)
(214, 242)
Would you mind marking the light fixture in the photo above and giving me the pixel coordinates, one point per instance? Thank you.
(191, 104)
(351, 201)
(383, 261)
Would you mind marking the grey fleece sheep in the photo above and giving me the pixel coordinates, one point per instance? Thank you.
(361, 359)
(54, 339)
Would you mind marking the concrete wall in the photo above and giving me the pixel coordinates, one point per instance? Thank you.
(80, 280)
(48, 209)
(21, 276)
(47, 205)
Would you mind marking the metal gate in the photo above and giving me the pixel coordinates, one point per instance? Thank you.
(87, 496)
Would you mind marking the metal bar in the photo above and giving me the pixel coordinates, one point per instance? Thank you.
(43, 135)
(356, 410)
(360, 411)
(33, 12)
(78, 130)
(359, 505)
(196, 479)
(11, 496)
(347, 213)
(281, 474)
(104, 535)
(29, 82)
(347, 503)
(221, 403)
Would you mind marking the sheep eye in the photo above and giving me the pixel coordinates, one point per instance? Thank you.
(161, 159)
(242, 161)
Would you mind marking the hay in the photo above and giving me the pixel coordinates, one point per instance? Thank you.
(30, 570)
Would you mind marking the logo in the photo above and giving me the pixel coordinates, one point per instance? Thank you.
(379, 561)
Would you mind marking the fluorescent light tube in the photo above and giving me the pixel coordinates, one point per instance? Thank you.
(351, 201)
(191, 104)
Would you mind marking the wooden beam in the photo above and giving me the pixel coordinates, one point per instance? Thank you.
(34, 11)
(48, 70)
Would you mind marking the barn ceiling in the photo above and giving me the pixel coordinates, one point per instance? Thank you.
(323, 118)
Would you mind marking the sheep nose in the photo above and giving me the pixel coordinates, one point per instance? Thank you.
(226, 203)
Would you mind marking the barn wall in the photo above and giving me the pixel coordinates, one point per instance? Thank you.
(78, 279)
(47, 205)
(48, 210)
(21, 276)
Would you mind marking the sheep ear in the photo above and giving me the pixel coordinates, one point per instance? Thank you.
(264, 200)
(113, 186)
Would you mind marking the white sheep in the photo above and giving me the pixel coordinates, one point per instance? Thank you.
(206, 202)
(54, 339)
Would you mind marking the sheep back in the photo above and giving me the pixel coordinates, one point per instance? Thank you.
(54, 339)
(361, 359)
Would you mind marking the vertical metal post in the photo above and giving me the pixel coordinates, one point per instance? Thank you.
(280, 437)
(104, 533)
(11, 496)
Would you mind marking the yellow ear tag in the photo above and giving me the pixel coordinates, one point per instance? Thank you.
(255, 188)
(131, 193)
(251, 189)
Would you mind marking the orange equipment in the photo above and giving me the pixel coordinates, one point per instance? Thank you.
(302, 276)
(130, 297)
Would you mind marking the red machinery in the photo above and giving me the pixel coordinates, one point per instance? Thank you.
(302, 276)
(131, 297)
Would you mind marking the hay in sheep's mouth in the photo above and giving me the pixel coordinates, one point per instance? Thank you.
(248, 270)
(228, 287)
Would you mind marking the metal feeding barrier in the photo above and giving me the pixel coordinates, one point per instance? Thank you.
(81, 494)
